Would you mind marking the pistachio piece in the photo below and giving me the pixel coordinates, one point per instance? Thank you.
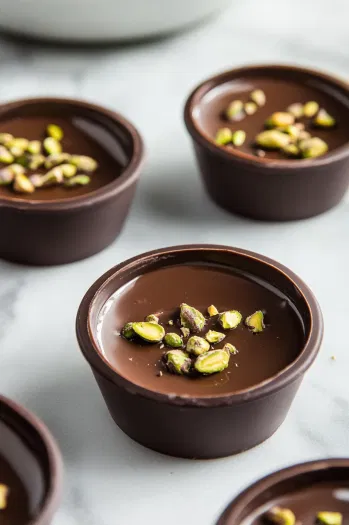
(212, 362)
(303, 135)
(291, 150)
(22, 184)
(310, 109)
(177, 362)
(250, 108)
(54, 131)
(150, 332)
(52, 146)
(223, 136)
(185, 332)
(230, 319)
(255, 322)
(258, 97)
(84, 163)
(214, 337)
(171, 323)
(292, 130)
(231, 349)
(191, 318)
(36, 180)
(68, 170)
(197, 345)
(19, 143)
(52, 177)
(128, 332)
(4, 492)
(78, 180)
(329, 518)
(272, 139)
(235, 110)
(173, 340)
(5, 138)
(238, 137)
(6, 156)
(55, 159)
(212, 310)
(280, 516)
(35, 161)
(6, 176)
(17, 169)
(280, 119)
(313, 147)
(296, 110)
(152, 318)
(324, 120)
(34, 147)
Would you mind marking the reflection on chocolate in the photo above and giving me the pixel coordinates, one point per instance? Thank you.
(260, 356)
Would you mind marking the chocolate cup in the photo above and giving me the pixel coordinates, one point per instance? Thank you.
(261, 188)
(66, 230)
(283, 482)
(171, 424)
(34, 433)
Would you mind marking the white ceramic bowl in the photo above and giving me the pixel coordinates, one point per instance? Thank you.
(102, 20)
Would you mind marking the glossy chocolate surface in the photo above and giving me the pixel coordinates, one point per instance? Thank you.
(280, 93)
(260, 356)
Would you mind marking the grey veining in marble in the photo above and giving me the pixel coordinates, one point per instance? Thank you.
(109, 479)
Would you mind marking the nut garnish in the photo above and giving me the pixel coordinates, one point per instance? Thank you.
(84, 163)
(212, 362)
(152, 318)
(250, 108)
(310, 109)
(177, 362)
(212, 310)
(238, 137)
(235, 110)
(230, 319)
(78, 180)
(5, 138)
(231, 349)
(214, 337)
(223, 136)
(324, 120)
(173, 340)
(55, 132)
(280, 516)
(128, 331)
(313, 147)
(272, 139)
(6, 176)
(52, 146)
(197, 345)
(6, 156)
(296, 110)
(191, 318)
(185, 332)
(329, 518)
(4, 492)
(279, 119)
(150, 332)
(258, 97)
(22, 184)
(255, 322)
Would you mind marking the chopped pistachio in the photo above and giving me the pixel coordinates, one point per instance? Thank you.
(55, 159)
(17, 169)
(78, 180)
(150, 332)
(292, 130)
(177, 362)
(84, 163)
(291, 150)
(152, 318)
(255, 322)
(230, 319)
(55, 132)
(231, 349)
(212, 310)
(35, 161)
(34, 147)
(223, 136)
(52, 177)
(324, 120)
(250, 108)
(191, 318)
(310, 109)
(258, 96)
(173, 340)
(214, 337)
(171, 323)
(260, 153)
(238, 137)
(185, 332)
(36, 180)
(197, 345)
(280, 516)
(19, 143)
(313, 147)
(5, 138)
(6, 156)
(128, 332)
(272, 139)
(299, 125)
(235, 110)
(329, 518)
(279, 119)
(68, 170)
(17, 151)
(296, 110)
(4, 492)
(212, 362)
(6, 176)
(52, 146)
(303, 135)
(22, 184)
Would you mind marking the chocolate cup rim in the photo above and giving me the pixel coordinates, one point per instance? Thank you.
(55, 480)
(110, 190)
(235, 508)
(91, 351)
(206, 141)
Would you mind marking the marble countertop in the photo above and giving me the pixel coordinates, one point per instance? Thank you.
(109, 479)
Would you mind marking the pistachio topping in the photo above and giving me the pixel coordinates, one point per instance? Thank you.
(214, 337)
(55, 159)
(22, 184)
(6, 176)
(223, 136)
(272, 139)
(35, 161)
(53, 177)
(150, 332)
(177, 362)
(304, 135)
(212, 310)
(250, 108)
(238, 137)
(54, 131)
(68, 170)
(5, 138)
(313, 147)
(17, 169)
(191, 318)
(296, 110)
(173, 340)
(291, 150)
(78, 180)
(292, 130)
(197, 345)
(280, 516)
(329, 518)
(230, 319)
(128, 332)
(280, 119)
(235, 110)
(152, 318)
(185, 332)
(84, 163)
(171, 323)
(4, 492)
(324, 120)
(231, 349)
(36, 180)
(258, 97)
(6, 156)
(255, 322)
(212, 362)
(52, 146)
(310, 109)
(34, 147)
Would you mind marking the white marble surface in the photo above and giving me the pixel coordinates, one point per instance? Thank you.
(109, 479)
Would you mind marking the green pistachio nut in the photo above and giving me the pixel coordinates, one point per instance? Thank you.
(128, 332)
(53, 177)
(35, 161)
(280, 119)
(291, 150)
(231, 349)
(272, 139)
(84, 163)
(238, 137)
(36, 180)
(6, 176)
(310, 109)
(5, 138)
(292, 130)
(296, 110)
(212, 310)
(191, 318)
(212, 362)
(19, 143)
(4, 492)
(152, 318)
(52, 146)
(235, 110)
(171, 323)
(150, 332)
(34, 147)
(304, 135)
(324, 120)
(177, 362)
(173, 340)
(185, 332)
(230, 319)
(329, 518)
(17, 169)
(22, 184)
(255, 322)
(223, 136)
(258, 97)
(6, 156)
(250, 108)
(55, 159)
(55, 132)
(68, 170)
(313, 147)
(78, 180)
(197, 345)
(280, 516)
(214, 337)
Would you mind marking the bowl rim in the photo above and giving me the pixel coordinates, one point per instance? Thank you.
(235, 155)
(238, 504)
(91, 350)
(55, 461)
(128, 176)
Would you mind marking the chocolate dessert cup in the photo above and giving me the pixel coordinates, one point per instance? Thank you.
(305, 489)
(269, 187)
(59, 225)
(181, 423)
(31, 467)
